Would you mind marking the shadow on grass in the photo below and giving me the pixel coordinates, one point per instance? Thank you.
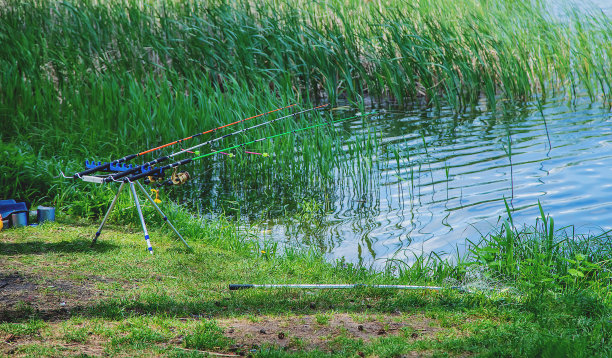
(276, 303)
(258, 303)
(68, 246)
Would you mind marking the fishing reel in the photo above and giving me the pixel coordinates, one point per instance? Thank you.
(177, 178)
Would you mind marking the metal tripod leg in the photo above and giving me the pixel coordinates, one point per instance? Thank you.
(142, 222)
(161, 213)
(110, 208)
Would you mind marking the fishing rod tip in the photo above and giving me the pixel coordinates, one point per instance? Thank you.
(62, 175)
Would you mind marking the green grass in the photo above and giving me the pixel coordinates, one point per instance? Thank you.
(546, 300)
(207, 335)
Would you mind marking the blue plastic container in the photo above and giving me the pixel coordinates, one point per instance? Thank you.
(19, 218)
(45, 213)
(7, 207)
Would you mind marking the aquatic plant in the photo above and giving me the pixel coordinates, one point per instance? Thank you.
(93, 79)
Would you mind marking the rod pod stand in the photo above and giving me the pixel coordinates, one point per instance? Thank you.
(139, 210)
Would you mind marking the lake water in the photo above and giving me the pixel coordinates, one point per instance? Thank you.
(453, 175)
(604, 6)
(438, 178)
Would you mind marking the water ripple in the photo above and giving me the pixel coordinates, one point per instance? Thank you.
(436, 180)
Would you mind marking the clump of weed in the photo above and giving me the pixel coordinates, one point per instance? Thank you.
(207, 335)
(76, 335)
(543, 258)
(28, 328)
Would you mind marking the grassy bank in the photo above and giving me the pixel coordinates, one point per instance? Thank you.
(528, 293)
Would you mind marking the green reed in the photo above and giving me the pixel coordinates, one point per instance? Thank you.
(102, 79)
(439, 53)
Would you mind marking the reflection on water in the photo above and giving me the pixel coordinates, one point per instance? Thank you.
(439, 179)
(434, 180)
(604, 6)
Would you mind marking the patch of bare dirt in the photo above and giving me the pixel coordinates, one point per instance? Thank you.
(23, 294)
(311, 331)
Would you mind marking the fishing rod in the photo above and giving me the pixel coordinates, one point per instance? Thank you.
(105, 166)
(189, 160)
(234, 287)
(142, 168)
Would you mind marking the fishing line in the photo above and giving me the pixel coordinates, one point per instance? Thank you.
(140, 168)
(132, 156)
(189, 160)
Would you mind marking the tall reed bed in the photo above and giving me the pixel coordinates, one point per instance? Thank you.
(104, 78)
(450, 53)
